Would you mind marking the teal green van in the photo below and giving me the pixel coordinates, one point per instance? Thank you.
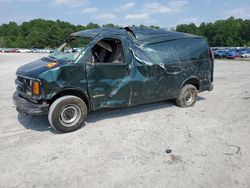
(110, 68)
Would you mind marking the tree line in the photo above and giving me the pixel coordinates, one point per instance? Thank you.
(40, 33)
(229, 32)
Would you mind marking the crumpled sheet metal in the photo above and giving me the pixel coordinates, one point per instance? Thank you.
(173, 52)
(167, 64)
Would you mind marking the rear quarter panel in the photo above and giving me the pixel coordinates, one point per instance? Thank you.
(180, 60)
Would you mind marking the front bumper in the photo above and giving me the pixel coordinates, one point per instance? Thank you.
(25, 106)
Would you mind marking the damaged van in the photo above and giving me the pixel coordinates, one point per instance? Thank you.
(106, 68)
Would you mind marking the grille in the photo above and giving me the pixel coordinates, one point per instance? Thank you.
(24, 86)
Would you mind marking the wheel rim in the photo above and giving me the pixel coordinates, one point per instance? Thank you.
(189, 97)
(70, 115)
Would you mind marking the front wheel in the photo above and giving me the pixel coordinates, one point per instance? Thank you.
(67, 113)
(187, 96)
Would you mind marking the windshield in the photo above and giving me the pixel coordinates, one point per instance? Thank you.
(71, 49)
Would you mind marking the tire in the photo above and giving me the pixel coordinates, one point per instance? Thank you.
(187, 96)
(67, 113)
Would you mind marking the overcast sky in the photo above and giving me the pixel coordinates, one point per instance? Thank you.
(122, 12)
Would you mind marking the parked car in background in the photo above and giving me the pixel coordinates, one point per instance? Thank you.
(2, 49)
(245, 54)
(11, 50)
(220, 54)
(33, 50)
(232, 54)
(23, 50)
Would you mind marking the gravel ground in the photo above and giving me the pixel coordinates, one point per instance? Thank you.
(210, 142)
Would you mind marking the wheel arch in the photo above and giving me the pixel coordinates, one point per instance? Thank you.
(71, 91)
(192, 80)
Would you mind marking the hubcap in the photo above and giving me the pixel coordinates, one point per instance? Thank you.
(189, 98)
(70, 115)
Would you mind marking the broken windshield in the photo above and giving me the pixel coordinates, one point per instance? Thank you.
(71, 49)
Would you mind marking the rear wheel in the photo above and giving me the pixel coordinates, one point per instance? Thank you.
(67, 113)
(187, 96)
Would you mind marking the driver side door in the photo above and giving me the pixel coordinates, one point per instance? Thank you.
(108, 75)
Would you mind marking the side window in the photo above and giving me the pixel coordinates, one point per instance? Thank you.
(108, 51)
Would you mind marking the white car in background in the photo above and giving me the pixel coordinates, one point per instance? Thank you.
(44, 50)
(23, 51)
(245, 54)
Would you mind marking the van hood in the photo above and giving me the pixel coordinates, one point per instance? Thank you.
(35, 68)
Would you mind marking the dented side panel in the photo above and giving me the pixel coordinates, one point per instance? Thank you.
(167, 65)
(109, 85)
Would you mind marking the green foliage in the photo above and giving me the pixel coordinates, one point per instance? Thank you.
(40, 33)
(229, 32)
(2, 43)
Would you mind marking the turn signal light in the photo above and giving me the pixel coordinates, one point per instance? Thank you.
(52, 64)
(36, 88)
